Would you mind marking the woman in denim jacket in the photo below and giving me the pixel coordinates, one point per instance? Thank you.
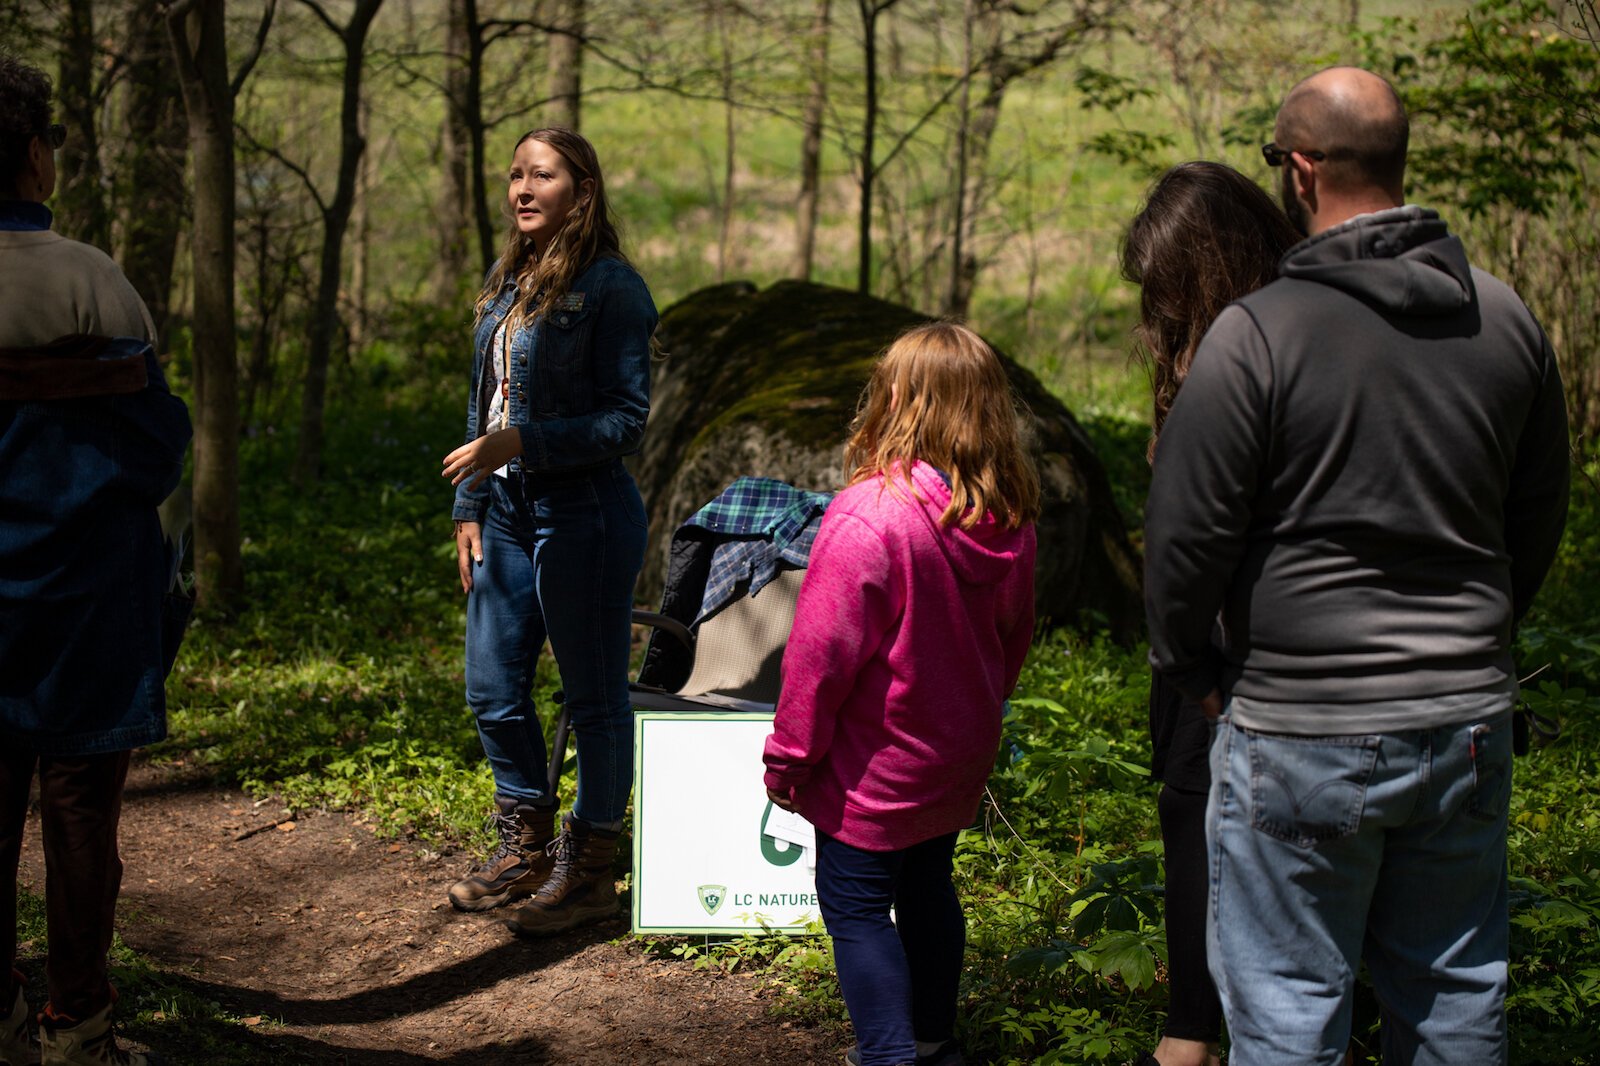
(550, 529)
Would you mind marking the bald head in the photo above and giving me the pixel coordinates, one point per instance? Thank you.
(1356, 118)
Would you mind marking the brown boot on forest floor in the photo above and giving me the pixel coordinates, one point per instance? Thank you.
(520, 864)
(581, 889)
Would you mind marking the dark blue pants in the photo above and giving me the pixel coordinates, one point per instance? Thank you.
(899, 978)
(560, 557)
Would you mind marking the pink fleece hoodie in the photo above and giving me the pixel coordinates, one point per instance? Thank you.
(907, 639)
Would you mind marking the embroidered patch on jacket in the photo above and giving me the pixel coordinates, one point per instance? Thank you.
(572, 301)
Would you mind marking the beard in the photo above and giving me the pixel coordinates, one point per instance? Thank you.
(1299, 217)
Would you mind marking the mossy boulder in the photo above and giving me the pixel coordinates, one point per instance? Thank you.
(766, 382)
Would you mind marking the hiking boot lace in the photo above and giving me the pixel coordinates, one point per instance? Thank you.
(509, 830)
(564, 847)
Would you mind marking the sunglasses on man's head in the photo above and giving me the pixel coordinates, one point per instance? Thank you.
(55, 135)
(1277, 156)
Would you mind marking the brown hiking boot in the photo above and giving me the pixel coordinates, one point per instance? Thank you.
(581, 888)
(518, 866)
(86, 1043)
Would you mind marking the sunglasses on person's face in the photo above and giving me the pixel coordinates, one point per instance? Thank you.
(1277, 156)
(55, 135)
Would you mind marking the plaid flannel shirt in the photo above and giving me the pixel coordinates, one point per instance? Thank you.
(765, 521)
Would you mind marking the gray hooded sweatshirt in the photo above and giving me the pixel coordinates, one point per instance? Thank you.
(1365, 476)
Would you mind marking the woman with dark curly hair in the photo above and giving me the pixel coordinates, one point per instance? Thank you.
(1206, 236)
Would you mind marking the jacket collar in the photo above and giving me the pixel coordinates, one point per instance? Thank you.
(24, 215)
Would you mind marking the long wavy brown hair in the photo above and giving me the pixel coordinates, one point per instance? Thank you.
(940, 394)
(1206, 236)
(587, 233)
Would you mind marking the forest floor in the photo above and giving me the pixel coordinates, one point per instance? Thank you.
(318, 943)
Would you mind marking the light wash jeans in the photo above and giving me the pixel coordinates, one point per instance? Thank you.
(1389, 847)
(559, 561)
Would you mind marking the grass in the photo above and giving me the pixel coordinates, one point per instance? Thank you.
(339, 683)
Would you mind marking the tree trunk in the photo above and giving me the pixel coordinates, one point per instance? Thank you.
(455, 140)
(976, 136)
(869, 120)
(150, 174)
(566, 64)
(472, 120)
(955, 301)
(80, 203)
(724, 15)
(980, 137)
(198, 39)
(978, 124)
(335, 220)
(811, 144)
(361, 222)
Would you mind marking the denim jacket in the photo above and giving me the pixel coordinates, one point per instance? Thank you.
(580, 377)
(83, 464)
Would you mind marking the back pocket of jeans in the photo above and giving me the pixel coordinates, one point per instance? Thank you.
(1491, 770)
(1308, 790)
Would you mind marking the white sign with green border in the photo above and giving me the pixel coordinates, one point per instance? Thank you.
(703, 861)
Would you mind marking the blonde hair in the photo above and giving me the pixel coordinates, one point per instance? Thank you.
(587, 233)
(940, 394)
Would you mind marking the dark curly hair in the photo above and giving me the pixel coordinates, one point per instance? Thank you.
(1207, 236)
(25, 93)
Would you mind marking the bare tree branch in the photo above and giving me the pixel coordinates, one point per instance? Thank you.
(285, 162)
(255, 51)
(321, 13)
(189, 69)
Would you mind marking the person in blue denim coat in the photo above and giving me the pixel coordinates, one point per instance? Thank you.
(550, 529)
(91, 441)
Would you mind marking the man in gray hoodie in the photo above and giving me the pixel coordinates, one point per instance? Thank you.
(1355, 498)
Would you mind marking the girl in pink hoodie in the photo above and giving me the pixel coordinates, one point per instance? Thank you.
(911, 629)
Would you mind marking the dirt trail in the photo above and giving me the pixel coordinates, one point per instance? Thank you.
(348, 942)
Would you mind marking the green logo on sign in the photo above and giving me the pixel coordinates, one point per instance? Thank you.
(711, 897)
(777, 852)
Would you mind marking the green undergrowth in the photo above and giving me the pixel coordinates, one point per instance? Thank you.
(1062, 879)
(339, 686)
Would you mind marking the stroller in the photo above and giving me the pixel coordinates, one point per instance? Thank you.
(733, 577)
(706, 834)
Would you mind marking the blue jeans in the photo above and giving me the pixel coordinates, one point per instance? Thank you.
(1389, 846)
(560, 558)
(899, 978)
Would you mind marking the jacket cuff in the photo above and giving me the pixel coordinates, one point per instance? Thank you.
(469, 509)
(778, 781)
